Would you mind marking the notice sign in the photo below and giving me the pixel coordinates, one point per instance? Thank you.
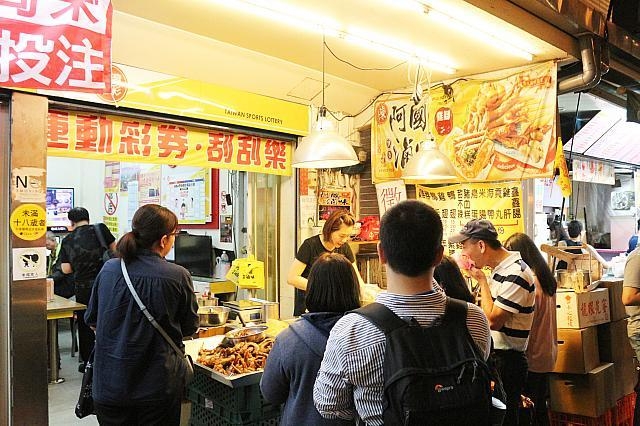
(28, 185)
(28, 222)
(389, 194)
(29, 263)
(56, 44)
(501, 203)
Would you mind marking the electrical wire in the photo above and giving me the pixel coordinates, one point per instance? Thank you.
(356, 66)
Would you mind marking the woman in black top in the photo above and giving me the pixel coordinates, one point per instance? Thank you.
(336, 232)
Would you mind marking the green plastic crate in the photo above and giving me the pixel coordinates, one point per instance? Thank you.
(236, 406)
(216, 416)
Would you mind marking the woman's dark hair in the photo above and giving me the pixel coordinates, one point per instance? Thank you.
(78, 214)
(531, 255)
(332, 285)
(149, 224)
(336, 219)
(448, 275)
(411, 237)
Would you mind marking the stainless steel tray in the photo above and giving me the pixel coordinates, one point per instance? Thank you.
(235, 381)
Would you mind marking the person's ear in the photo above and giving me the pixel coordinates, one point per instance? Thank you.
(439, 256)
(482, 245)
(383, 258)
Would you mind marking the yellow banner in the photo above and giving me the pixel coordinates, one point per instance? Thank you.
(115, 138)
(503, 129)
(153, 91)
(499, 202)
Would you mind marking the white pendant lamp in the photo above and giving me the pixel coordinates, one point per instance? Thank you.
(429, 165)
(324, 148)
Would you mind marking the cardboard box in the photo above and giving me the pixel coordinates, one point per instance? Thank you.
(588, 394)
(581, 310)
(613, 342)
(626, 377)
(616, 307)
(577, 350)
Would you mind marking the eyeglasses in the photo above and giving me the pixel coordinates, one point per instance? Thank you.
(174, 233)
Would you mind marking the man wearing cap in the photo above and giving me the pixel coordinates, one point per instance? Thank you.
(507, 297)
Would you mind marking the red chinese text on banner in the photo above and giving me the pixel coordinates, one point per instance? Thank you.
(56, 44)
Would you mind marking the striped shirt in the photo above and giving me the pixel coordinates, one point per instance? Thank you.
(350, 381)
(513, 289)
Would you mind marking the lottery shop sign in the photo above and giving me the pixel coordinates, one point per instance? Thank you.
(116, 138)
(56, 44)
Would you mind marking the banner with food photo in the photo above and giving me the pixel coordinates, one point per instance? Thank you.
(499, 202)
(490, 129)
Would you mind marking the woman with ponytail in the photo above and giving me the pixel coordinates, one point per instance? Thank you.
(138, 378)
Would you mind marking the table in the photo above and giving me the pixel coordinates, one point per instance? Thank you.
(58, 308)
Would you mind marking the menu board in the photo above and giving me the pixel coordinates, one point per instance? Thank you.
(499, 202)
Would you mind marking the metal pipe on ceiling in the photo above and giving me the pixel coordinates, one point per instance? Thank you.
(590, 55)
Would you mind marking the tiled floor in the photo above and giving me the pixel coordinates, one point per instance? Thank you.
(63, 396)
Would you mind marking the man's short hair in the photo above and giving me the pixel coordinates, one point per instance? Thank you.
(78, 214)
(574, 228)
(410, 237)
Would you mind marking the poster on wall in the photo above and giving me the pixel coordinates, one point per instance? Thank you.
(500, 129)
(149, 182)
(330, 200)
(111, 175)
(499, 202)
(185, 193)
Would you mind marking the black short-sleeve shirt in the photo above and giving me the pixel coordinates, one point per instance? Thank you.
(309, 251)
(82, 249)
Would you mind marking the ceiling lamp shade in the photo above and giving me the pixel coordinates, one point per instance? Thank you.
(324, 148)
(429, 165)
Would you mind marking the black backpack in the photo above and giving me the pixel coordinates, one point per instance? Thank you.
(432, 375)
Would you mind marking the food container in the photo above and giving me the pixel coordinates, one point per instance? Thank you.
(270, 310)
(211, 316)
(247, 334)
(578, 281)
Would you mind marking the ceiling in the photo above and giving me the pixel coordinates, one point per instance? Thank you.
(348, 89)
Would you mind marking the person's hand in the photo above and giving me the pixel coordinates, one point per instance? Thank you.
(478, 275)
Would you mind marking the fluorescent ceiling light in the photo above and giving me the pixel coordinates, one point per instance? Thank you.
(467, 26)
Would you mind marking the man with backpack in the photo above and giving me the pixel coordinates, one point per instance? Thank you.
(413, 357)
(507, 299)
(82, 254)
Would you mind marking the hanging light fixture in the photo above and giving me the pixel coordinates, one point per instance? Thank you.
(429, 164)
(324, 148)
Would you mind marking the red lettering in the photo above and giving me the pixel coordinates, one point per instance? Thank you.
(135, 138)
(58, 129)
(220, 147)
(248, 150)
(172, 138)
(94, 133)
(275, 153)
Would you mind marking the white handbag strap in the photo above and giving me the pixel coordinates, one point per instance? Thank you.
(146, 312)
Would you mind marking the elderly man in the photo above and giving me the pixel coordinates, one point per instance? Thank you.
(508, 299)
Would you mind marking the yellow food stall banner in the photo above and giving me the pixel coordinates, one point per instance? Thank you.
(499, 202)
(491, 130)
(115, 138)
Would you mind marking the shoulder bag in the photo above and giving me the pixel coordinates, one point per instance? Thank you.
(188, 362)
(84, 407)
(107, 253)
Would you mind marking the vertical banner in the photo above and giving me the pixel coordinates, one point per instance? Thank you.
(499, 202)
(491, 130)
(56, 45)
(389, 194)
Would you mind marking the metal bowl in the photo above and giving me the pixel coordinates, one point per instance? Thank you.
(211, 316)
(247, 334)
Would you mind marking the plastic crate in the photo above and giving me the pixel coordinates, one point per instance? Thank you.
(204, 416)
(625, 408)
(234, 406)
(564, 419)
